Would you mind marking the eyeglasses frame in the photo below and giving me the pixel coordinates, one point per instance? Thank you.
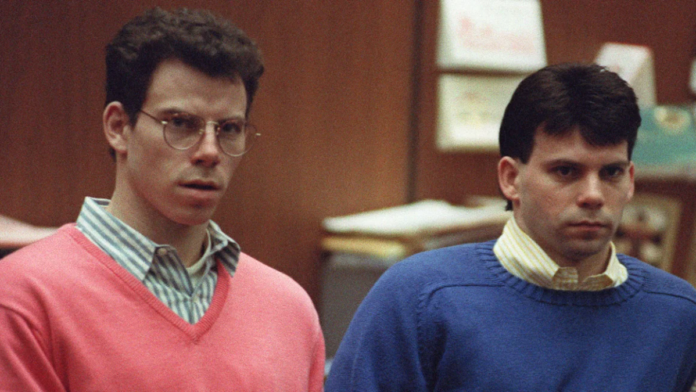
(202, 132)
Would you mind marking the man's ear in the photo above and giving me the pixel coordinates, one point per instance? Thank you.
(116, 127)
(508, 173)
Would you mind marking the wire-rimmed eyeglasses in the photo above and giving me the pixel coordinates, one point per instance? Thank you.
(183, 131)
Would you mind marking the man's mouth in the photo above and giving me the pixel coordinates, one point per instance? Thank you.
(589, 225)
(201, 185)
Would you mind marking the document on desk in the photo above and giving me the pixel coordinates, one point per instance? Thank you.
(417, 219)
(16, 234)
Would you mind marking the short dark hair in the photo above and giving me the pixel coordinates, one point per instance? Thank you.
(561, 98)
(198, 38)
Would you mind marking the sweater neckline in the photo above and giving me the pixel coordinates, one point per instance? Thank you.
(194, 331)
(637, 276)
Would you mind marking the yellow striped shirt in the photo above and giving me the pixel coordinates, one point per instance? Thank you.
(524, 258)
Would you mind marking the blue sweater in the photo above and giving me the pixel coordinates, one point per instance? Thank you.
(454, 319)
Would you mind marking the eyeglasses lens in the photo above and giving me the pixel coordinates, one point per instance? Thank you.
(184, 131)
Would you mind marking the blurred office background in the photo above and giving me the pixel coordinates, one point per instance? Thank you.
(347, 109)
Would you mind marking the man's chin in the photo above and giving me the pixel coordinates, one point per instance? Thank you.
(193, 217)
(584, 249)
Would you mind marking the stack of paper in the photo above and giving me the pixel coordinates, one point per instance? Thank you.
(16, 234)
(400, 231)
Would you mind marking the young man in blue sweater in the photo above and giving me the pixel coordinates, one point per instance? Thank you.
(548, 306)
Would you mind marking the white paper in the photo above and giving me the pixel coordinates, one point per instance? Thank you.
(470, 110)
(634, 64)
(491, 34)
(421, 217)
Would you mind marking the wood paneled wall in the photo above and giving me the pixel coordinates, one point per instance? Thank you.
(332, 108)
(574, 31)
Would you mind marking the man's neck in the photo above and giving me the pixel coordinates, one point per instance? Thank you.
(585, 265)
(189, 241)
(590, 266)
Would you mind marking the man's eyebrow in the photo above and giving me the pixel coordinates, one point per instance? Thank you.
(172, 111)
(562, 162)
(570, 162)
(621, 163)
(233, 117)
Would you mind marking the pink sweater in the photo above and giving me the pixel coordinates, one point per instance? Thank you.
(72, 319)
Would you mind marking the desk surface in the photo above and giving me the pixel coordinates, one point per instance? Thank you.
(16, 234)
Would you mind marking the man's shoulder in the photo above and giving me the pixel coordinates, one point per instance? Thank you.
(451, 258)
(43, 255)
(460, 265)
(263, 272)
(269, 282)
(65, 259)
(46, 270)
(662, 283)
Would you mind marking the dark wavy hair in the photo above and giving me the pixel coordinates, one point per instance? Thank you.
(560, 98)
(198, 38)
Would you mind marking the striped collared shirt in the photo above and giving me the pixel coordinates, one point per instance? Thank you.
(158, 266)
(524, 258)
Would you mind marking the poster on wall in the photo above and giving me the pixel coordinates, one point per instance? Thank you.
(634, 63)
(470, 109)
(505, 35)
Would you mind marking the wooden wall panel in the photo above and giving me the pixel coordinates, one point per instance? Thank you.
(447, 176)
(50, 102)
(574, 30)
(332, 109)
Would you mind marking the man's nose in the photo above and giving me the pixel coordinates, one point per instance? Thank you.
(591, 192)
(208, 151)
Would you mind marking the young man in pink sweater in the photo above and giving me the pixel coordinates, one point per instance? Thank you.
(144, 292)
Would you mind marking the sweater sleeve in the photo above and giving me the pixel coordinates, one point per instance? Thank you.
(381, 349)
(26, 363)
(316, 373)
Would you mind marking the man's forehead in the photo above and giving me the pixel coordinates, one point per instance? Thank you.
(572, 146)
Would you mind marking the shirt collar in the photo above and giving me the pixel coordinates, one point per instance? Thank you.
(523, 257)
(134, 251)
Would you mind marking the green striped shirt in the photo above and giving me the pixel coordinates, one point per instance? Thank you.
(157, 265)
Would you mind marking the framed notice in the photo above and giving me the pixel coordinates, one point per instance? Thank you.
(470, 109)
(634, 63)
(649, 228)
(504, 35)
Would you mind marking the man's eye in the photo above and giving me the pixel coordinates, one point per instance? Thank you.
(184, 122)
(564, 171)
(232, 128)
(613, 172)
